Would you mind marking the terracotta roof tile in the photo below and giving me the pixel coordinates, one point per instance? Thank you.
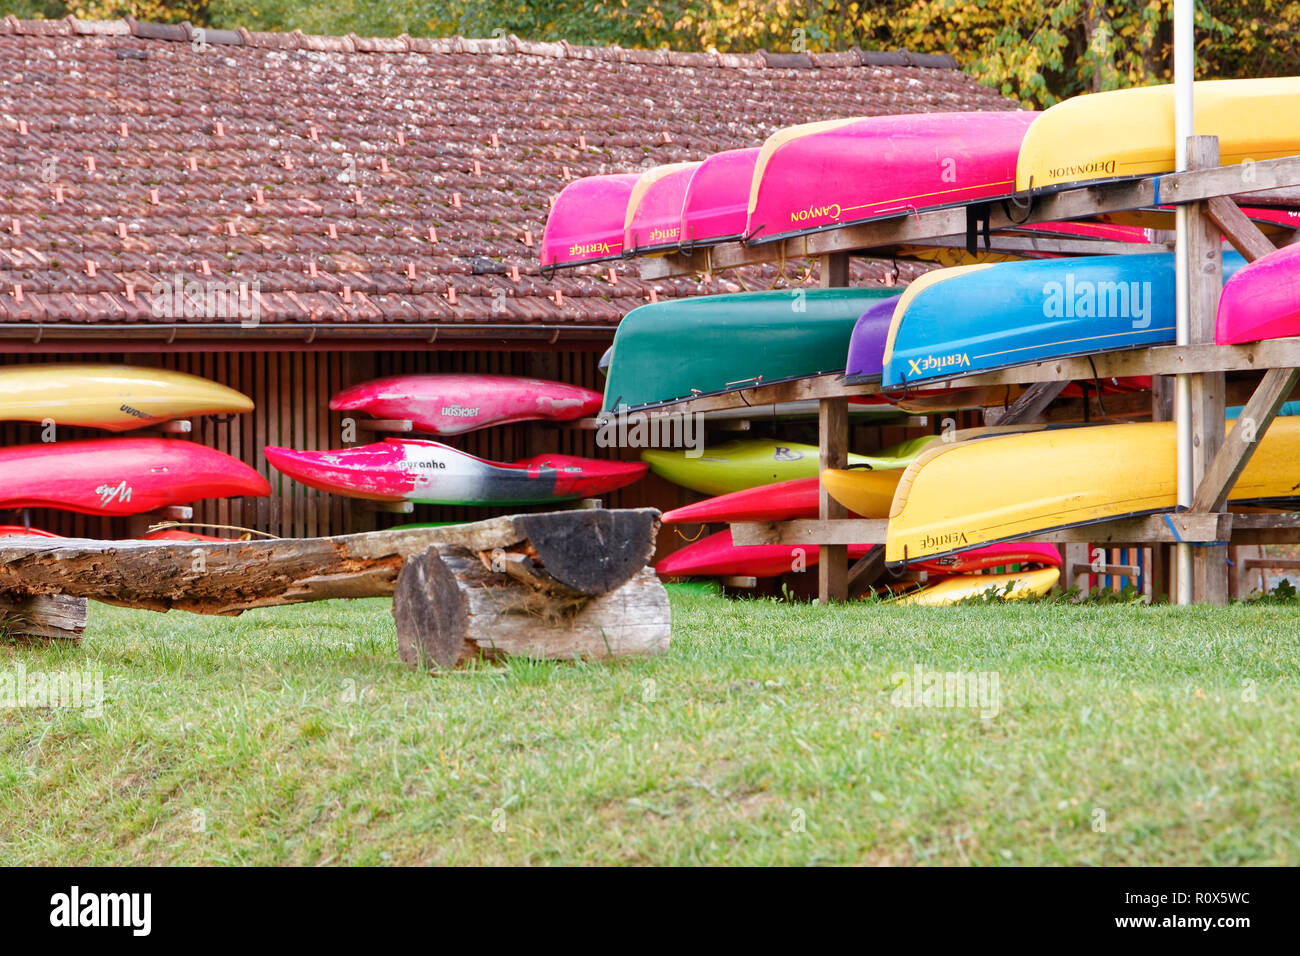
(317, 167)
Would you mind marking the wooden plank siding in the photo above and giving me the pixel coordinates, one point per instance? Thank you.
(292, 390)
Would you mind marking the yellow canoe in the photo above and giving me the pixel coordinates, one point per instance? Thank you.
(117, 398)
(1017, 586)
(866, 492)
(959, 496)
(1131, 132)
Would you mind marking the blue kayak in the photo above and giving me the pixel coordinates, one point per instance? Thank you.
(970, 319)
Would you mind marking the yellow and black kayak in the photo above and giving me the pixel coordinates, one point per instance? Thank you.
(116, 398)
(964, 495)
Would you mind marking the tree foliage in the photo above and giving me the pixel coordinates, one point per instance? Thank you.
(1038, 51)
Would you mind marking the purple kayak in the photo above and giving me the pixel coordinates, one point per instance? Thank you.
(867, 344)
(717, 198)
(654, 210)
(587, 222)
(1262, 301)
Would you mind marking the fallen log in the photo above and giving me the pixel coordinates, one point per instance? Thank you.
(587, 552)
(451, 606)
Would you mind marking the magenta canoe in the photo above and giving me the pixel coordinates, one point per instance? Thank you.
(121, 476)
(654, 210)
(1111, 232)
(717, 198)
(833, 173)
(455, 404)
(586, 223)
(1262, 301)
(429, 472)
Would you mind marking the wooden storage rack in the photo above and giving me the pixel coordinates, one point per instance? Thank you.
(1211, 193)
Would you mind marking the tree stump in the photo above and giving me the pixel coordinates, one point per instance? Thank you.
(43, 616)
(453, 605)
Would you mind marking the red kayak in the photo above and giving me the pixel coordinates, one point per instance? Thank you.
(1038, 553)
(429, 472)
(179, 534)
(18, 531)
(716, 556)
(121, 476)
(782, 501)
(454, 404)
(1262, 301)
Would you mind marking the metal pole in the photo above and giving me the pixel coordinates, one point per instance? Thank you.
(1184, 126)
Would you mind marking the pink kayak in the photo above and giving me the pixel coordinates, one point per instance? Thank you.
(716, 556)
(1038, 553)
(833, 173)
(429, 472)
(782, 501)
(121, 476)
(586, 224)
(1090, 230)
(454, 404)
(654, 210)
(1262, 301)
(717, 198)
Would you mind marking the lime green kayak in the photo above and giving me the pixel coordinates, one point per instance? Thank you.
(737, 465)
(669, 351)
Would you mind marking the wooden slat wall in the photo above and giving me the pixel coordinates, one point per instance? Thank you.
(292, 390)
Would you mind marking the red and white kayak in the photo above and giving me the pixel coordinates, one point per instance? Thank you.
(716, 556)
(429, 472)
(121, 476)
(653, 222)
(586, 223)
(717, 198)
(1036, 553)
(1262, 301)
(455, 404)
(820, 175)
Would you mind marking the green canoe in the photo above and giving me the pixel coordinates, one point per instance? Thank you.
(669, 351)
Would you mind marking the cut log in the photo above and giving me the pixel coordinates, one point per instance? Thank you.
(588, 552)
(55, 616)
(450, 607)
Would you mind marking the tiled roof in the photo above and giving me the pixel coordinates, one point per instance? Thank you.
(369, 180)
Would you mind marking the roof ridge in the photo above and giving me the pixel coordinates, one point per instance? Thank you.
(500, 44)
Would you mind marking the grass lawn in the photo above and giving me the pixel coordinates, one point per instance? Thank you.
(768, 734)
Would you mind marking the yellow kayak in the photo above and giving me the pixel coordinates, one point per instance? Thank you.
(866, 492)
(117, 398)
(1017, 585)
(1131, 132)
(959, 496)
(737, 465)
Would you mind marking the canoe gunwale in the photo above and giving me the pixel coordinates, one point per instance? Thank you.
(653, 406)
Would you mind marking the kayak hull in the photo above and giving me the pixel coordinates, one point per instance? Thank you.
(455, 404)
(1125, 133)
(121, 476)
(721, 343)
(978, 318)
(1262, 301)
(653, 222)
(1021, 485)
(783, 501)
(717, 198)
(116, 398)
(586, 222)
(738, 465)
(837, 172)
(717, 556)
(1015, 586)
(429, 472)
(865, 361)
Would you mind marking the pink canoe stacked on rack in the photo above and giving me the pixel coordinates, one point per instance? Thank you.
(587, 222)
(653, 219)
(1262, 301)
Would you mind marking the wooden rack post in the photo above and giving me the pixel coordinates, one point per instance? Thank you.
(833, 442)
